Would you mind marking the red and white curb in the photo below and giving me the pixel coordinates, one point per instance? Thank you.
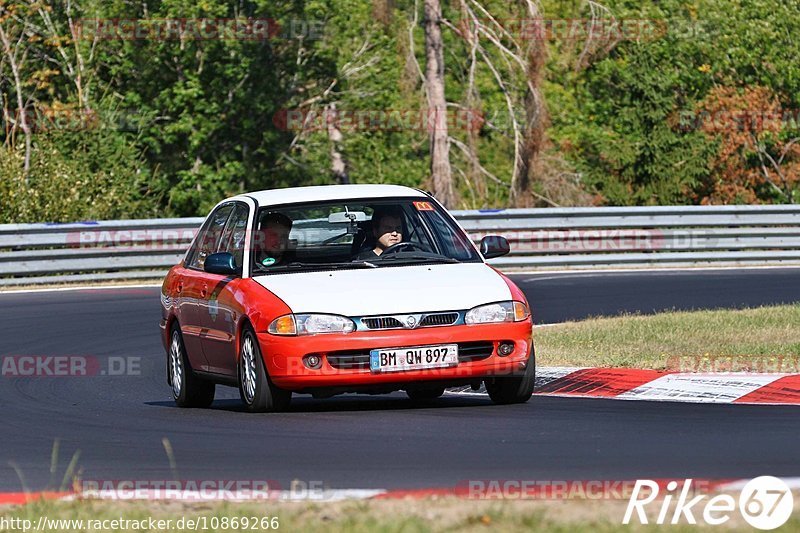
(637, 384)
(475, 490)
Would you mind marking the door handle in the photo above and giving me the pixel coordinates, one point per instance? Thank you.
(179, 287)
(204, 291)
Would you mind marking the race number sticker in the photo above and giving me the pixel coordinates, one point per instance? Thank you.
(423, 206)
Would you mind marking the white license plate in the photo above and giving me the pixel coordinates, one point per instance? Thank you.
(416, 358)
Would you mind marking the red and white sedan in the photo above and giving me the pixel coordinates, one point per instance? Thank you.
(335, 289)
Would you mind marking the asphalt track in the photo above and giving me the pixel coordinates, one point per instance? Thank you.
(118, 423)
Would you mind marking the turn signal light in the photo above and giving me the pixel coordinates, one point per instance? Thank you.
(521, 311)
(284, 325)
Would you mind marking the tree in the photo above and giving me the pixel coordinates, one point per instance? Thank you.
(758, 157)
(71, 162)
(441, 174)
(15, 37)
(533, 138)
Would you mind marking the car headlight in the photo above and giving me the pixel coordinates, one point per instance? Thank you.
(311, 324)
(497, 312)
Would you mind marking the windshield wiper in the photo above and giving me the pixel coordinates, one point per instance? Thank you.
(298, 265)
(412, 257)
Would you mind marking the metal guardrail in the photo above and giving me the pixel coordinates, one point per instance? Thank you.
(642, 236)
(540, 239)
(89, 251)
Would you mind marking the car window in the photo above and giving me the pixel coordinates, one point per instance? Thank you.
(199, 238)
(454, 243)
(209, 236)
(341, 232)
(415, 229)
(233, 237)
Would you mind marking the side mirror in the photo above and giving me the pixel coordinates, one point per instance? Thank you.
(494, 246)
(222, 263)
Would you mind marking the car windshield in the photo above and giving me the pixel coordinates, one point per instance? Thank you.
(346, 234)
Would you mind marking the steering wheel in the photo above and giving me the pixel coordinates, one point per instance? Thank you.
(404, 245)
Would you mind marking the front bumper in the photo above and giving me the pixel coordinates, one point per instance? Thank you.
(283, 356)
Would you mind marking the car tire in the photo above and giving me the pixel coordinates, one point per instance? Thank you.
(513, 389)
(188, 390)
(425, 394)
(256, 389)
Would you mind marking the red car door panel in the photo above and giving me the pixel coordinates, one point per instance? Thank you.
(190, 317)
(219, 314)
(218, 309)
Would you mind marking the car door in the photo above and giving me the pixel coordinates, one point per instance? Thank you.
(192, 281)
(219, 309)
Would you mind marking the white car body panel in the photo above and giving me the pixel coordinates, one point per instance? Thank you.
(389, 290)
(323, 193)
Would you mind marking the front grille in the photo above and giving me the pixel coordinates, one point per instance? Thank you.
(359, 359)
(383, 322)
(440, 319)
(396, 322)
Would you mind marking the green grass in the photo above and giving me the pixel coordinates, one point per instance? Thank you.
(407, 516)
(764, 338)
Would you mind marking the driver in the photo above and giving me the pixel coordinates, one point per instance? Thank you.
(387, 229)
(274, 240)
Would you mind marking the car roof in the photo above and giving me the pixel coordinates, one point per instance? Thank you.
(321, 193)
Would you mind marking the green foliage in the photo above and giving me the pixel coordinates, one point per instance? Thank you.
(629, 121)
(187, 121)
(75, 177)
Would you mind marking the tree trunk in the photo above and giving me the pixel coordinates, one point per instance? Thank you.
(441, 174)
(532, 144)
(535, 123)
(338, 164)
(382, 11)
(22, 117)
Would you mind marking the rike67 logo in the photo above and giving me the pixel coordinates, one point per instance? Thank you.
(765, 503)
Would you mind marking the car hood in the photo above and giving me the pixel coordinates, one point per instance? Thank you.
(389, 290)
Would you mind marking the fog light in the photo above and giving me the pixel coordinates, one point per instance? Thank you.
(505, 348)
(314, 362)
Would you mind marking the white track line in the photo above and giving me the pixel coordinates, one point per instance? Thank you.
(540, 274)
(792, 482)
(82, 288)
(327, 495)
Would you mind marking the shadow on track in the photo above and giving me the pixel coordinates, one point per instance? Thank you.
(351, 403)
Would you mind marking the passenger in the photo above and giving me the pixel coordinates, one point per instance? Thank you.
(387, 230)
(272, 246)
